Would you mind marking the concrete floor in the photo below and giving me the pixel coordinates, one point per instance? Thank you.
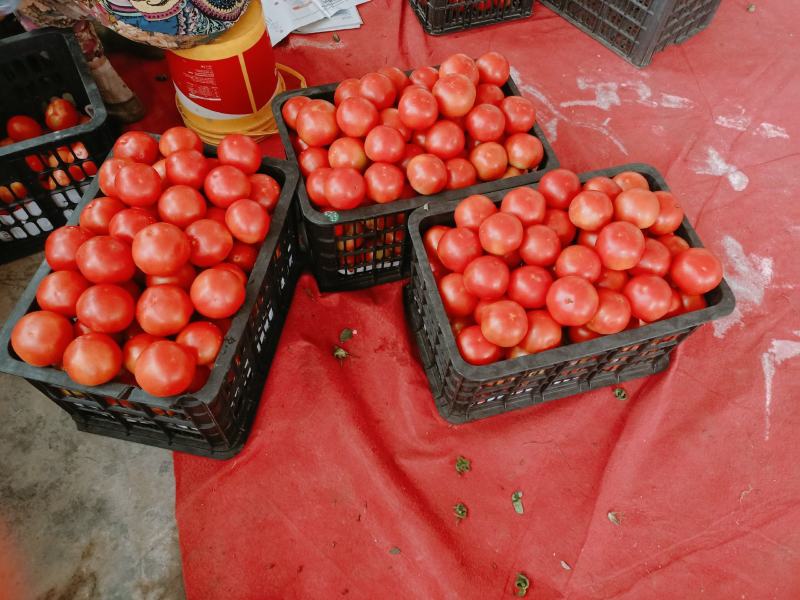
(81, 516)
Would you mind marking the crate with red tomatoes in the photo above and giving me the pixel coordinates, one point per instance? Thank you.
(371, 150)
(544, 291)
(55, 134)
(158, 308)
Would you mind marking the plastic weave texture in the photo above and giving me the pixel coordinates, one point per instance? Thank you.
(447, 16)
(359, 248)
(465, 392)
(216, 420)
(637, 29)
(42, 179)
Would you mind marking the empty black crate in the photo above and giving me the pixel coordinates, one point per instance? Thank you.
(637, 29)
(447, 16)
(465, 392)
(367, 246)
(42, 179)
(216, 420)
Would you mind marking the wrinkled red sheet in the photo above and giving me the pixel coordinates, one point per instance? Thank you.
(347, 485)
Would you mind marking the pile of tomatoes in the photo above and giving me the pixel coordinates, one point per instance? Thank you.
(595, 259)
(144, 288)
(388, 136)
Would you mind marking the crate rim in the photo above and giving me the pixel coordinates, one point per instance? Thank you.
(122, 391)
(512, 367)
(100, 113)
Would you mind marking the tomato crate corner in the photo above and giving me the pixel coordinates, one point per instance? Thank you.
(464, 392)
(367, 246)
(216, 420)
(448, 16)
(42, 178)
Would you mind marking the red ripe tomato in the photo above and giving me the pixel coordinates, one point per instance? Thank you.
(445, 140)
(612, 280)
(21, 127)
(559, 187)
(247, 221)
(356, 116)
(243, 256)
(579, 260)
(504, 323)
(181, 205)
(455, 94)
(620, 245)
(225, 184)
(655, 259)
(40, 337)
(315, 187)
(310, 160)
(164, 310)
(691, 303)
(613, 313)
(211, 242)
(487, 277)
(587, 238)
(137, 184)
(204, 338)
(540, 246)
(426, 76)
(524, 150)
(431, 238)
(488, 93)
(493, 68)
(136, 146)
(526, 204)
(291, 108)
(457, 248)
(696, 271)
(165, 368)
(60, 114)
(347, 152)
(232, 268)
(344, 188)
(391, 118)
(603, 184)
(637, 206)
(187, 167)
(427, 174)
(134, 347)
(105, 308)
(474, 210)
(411, 151)
(591, 210)
(215, 213)
(183, 277)
(581, 334)
(97, 215)
(490, 160)
(519, 112)
(475, 348)
(399, 79)
(457, 300)
(543, 333)
(217, 293)
(630, 179)
(179, 138)
(558, 221)
(161, 168)
(501, 233)
(675, 306)
(385, 144)
(108, 175)
(316, 123)
(670, 214)
(58, 292)
(384, 182)
(125, 224)
(378, 89)
(528, 286)
(239, 151)
(650, 297)
(347, 88)
(92, 359)
(265, 190)
(460, 63)
(458, 325)
(572, 300)
(460, 173)
(674, 243)
(486, 123)
(161, 249)
(103, 259)
(62, 245)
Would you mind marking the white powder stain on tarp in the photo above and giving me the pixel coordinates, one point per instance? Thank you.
(770, 130)
(779, 352)
(608, 94)
(738, 122)
(714, 164)
(748, 276)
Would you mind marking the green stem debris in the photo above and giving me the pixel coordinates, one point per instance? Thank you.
(516, 500)
(522, 583)
(463, 465)
(620, 393)
(461, 511)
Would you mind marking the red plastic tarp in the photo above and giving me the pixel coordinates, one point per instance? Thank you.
(347, 485)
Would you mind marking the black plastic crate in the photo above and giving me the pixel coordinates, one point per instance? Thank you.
(359, 248)
(216, 420)
(39, 186)
(637, 29)
(446, 16)
(465, 392)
